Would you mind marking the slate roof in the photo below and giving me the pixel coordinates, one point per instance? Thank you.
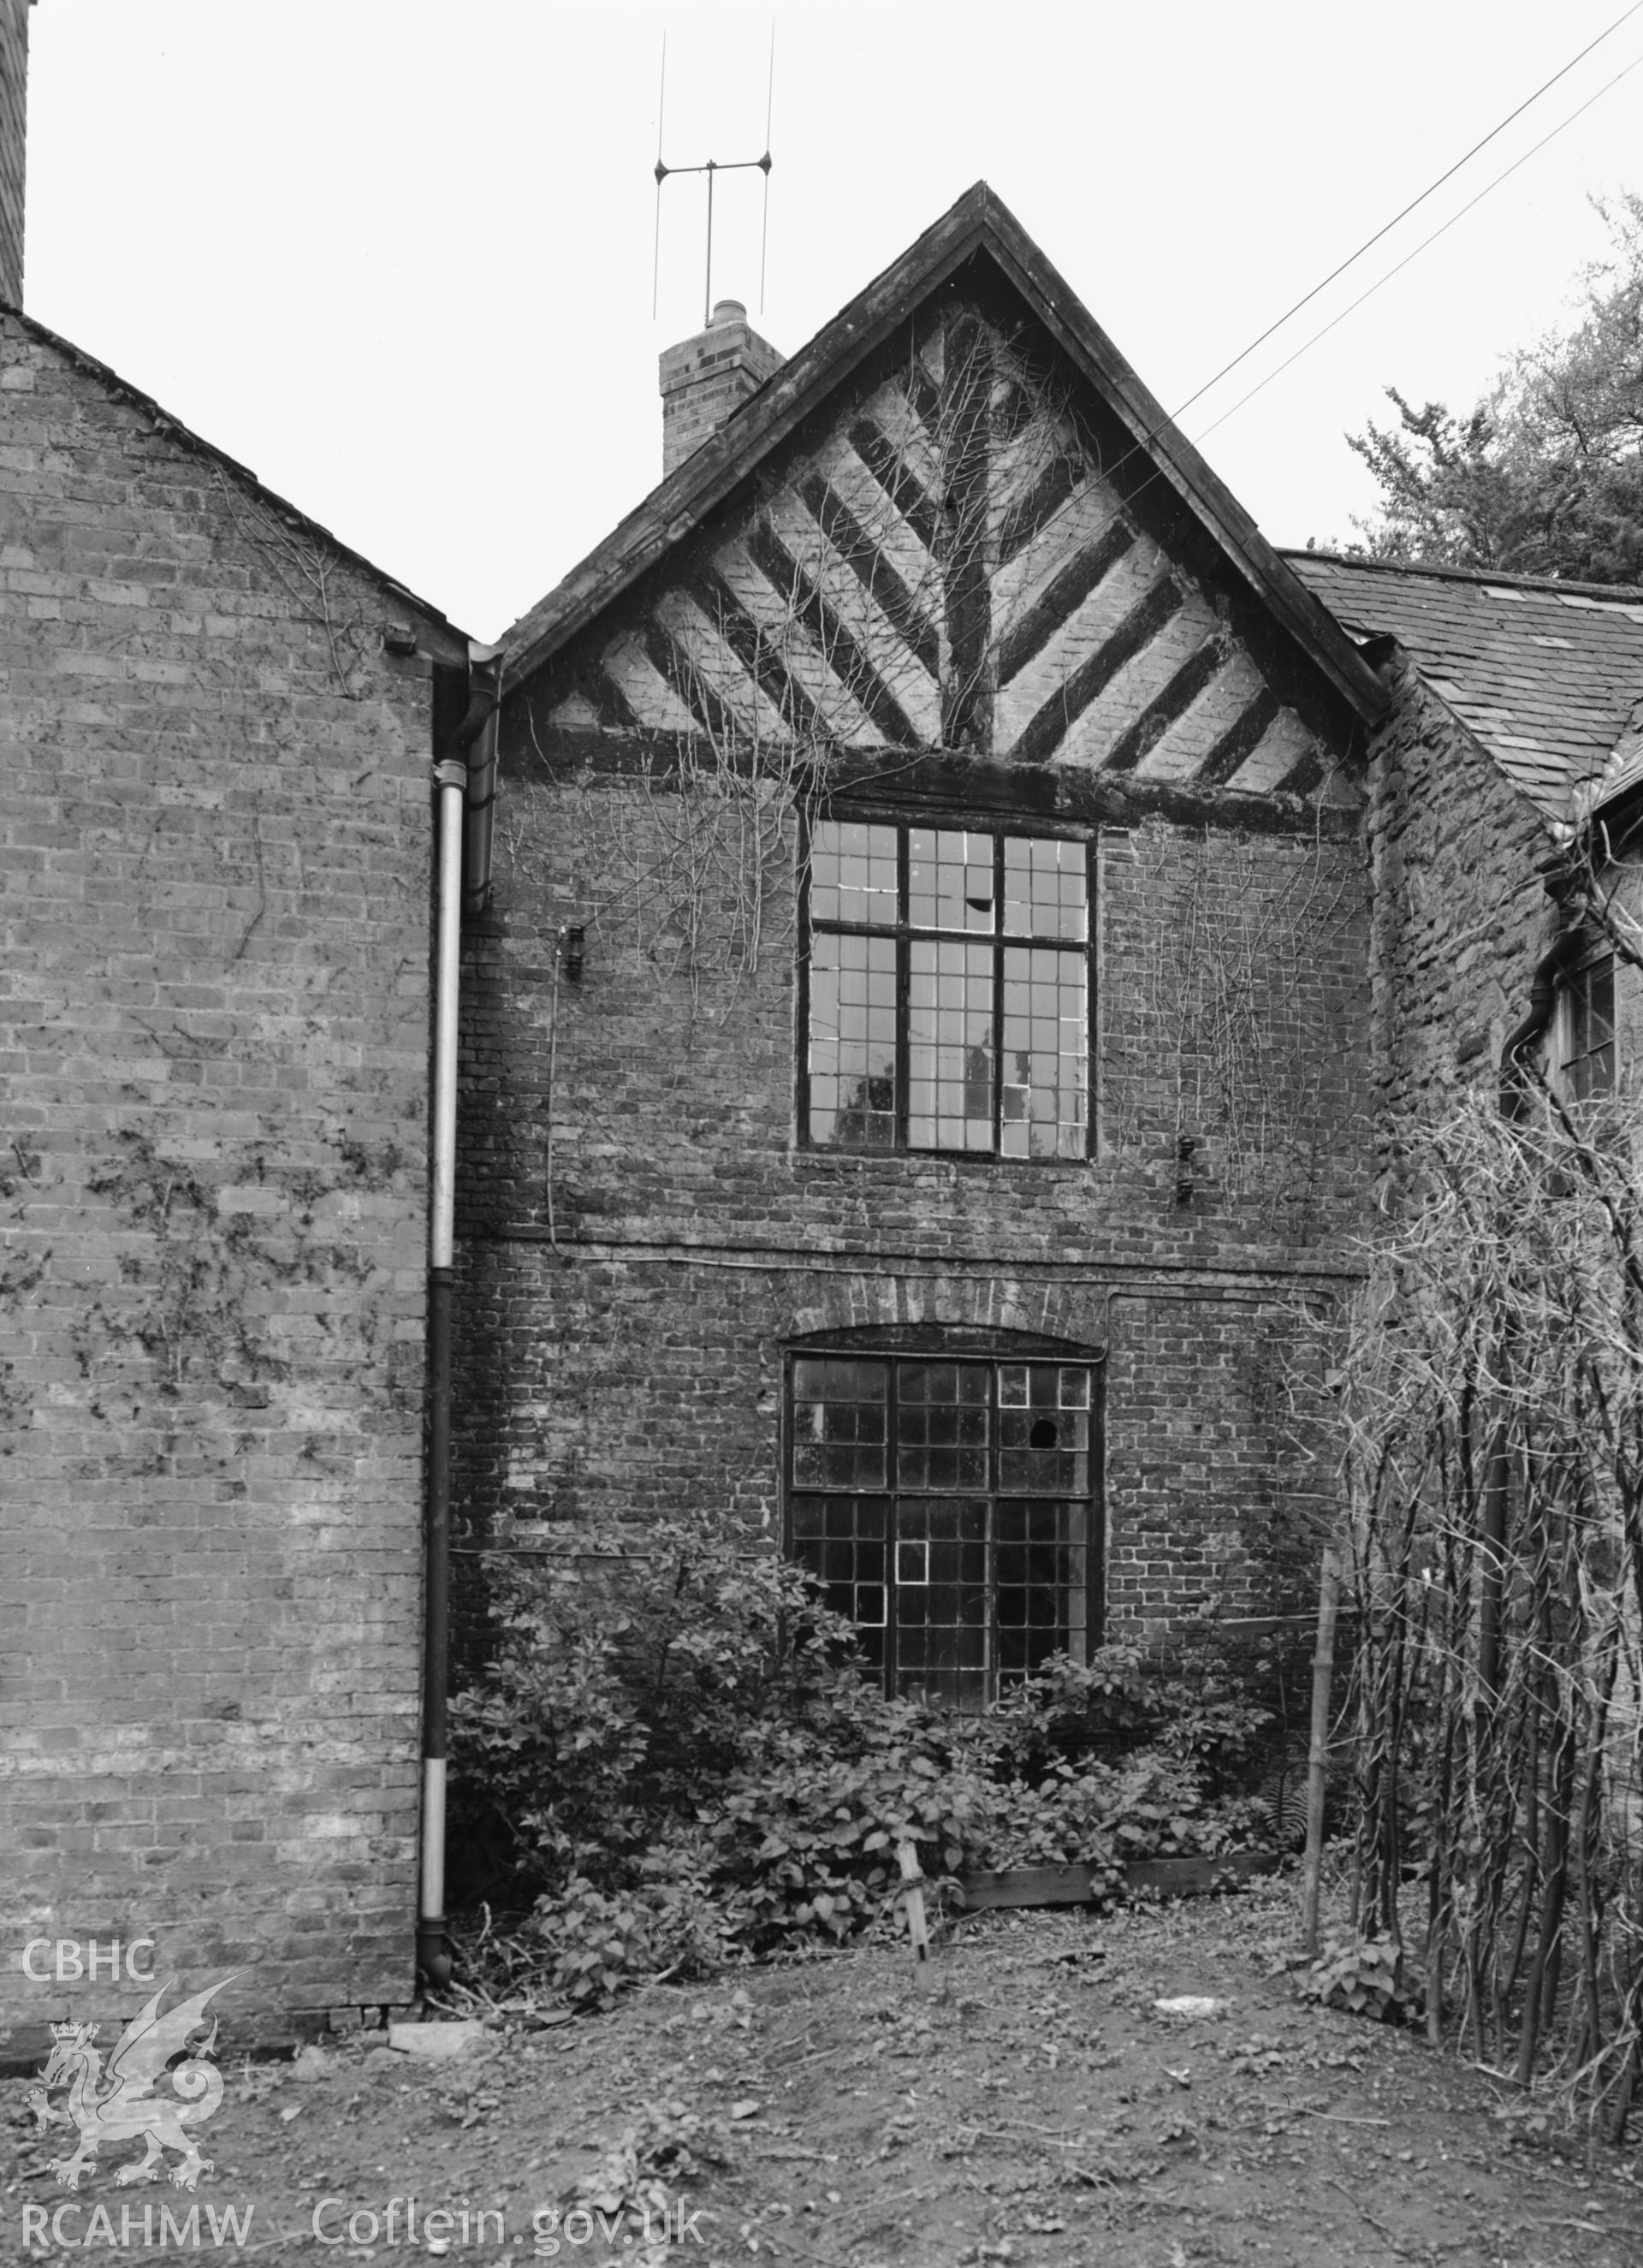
(1546, 675)
(978, 227)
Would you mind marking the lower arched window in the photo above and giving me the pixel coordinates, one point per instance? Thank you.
(945, 1498)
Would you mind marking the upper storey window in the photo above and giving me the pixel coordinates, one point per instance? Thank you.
(1584, 1033)
(948, 985)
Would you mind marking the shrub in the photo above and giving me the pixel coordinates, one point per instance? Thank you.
(691, 1767)
(808, 1840)
(627, 1690)
(1069, 1708)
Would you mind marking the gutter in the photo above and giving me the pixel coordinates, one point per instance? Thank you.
(465, 779)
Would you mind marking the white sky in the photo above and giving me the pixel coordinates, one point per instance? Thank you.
(396, 254)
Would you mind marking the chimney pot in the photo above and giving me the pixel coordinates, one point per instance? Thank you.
(727, 310)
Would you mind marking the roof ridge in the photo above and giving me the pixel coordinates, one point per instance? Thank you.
(1624, 595)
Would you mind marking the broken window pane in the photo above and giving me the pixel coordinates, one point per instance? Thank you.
(949, 1047)
(923, 1039)
(989, 1514)
(1046, 1033)
(949, 880)
(852, 873)
(838, 1428)
(853, 1040)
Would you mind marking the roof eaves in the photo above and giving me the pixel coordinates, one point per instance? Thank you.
(1456, 704)
(1613, 593)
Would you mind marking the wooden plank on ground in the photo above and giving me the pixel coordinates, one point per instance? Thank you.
(1028, 1886)
(1194, 1878)
(1072, 1886)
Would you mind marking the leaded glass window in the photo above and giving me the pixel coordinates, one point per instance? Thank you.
(945, 1506)
(947, 991)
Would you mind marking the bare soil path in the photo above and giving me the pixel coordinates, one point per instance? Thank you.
(1031, 2105)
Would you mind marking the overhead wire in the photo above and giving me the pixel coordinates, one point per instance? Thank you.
(1145, 440)
(1308, 343)
(1432, 190)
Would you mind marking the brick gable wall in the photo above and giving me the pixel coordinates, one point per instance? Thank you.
(214, 1038)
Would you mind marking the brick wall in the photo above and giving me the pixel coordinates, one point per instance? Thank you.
(214, 1035)
(705, 378)
(637, 1367)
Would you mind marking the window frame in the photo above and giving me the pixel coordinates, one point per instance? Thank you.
(1572, 1024)
(905, 932)
(922, 1345)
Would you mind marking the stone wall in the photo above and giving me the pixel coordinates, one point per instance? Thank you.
(214, 1008)
(1460, 914)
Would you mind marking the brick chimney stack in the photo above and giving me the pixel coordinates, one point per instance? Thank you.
(13, 104)
(705, 378)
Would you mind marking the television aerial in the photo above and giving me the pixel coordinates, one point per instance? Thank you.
(712, 166)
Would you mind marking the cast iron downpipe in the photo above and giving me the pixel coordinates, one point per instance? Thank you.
(1542, 997)
(470, 758)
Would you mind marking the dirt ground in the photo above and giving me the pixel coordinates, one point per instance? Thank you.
(1030, 2105)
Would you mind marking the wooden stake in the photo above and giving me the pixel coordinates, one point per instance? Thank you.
(913, 1898)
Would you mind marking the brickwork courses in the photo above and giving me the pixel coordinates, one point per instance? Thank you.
(707, 378)
(637, 1370)
(214, 1005)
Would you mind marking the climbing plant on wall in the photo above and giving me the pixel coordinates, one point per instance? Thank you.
(1493, 1394)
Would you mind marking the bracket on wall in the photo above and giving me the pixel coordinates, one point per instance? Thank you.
(1186, 1183)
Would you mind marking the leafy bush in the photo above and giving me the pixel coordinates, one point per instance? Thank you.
(668, 1922)
(626, 1690)
(1069, 1708)
(808, 1840)
(1366, 1977)
(690, 1766)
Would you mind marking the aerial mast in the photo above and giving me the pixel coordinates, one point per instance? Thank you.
(710, 167)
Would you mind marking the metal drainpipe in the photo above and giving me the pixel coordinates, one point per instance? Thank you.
(482, 784)
(1543, 997)
(453, 774)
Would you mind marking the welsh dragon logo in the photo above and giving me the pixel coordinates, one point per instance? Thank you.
(119, 2104)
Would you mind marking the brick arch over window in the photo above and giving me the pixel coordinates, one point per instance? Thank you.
(943, 1483)
(997, 1305)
